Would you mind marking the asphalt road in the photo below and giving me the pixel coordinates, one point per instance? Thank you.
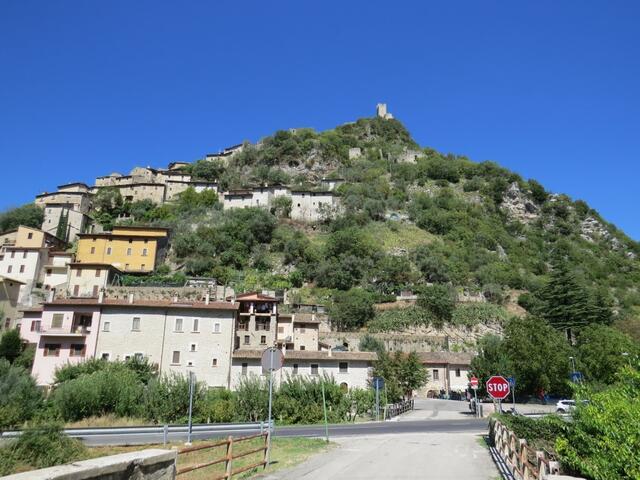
(339, 430)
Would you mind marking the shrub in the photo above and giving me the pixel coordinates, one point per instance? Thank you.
(166, 398)
(438, 299)
(252, 396)
(352, 309)
(20, 397)
(217, 406)
(10, 345)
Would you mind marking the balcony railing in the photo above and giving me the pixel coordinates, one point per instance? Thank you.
(75, 330)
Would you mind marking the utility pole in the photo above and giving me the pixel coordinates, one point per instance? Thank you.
(270, 402)
(190, 408)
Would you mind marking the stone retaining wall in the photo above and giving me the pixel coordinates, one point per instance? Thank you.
(151, 464)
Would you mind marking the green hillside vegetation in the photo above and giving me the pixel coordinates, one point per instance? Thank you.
(442, 219)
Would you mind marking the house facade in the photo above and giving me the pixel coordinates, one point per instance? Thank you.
(88, 279)
(256, 325)
(448, 371)
(9, 296)
(129, 249)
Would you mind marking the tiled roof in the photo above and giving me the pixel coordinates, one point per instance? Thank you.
(310, 355)
(254, 296)
(112, 302)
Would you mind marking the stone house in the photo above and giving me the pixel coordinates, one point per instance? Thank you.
(88, 279)
(54, 272)
(257, 321)
(312, 206)
(448, 371)
(9, 296)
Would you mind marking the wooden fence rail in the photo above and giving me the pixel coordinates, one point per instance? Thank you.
(524, 462)
(229, 457)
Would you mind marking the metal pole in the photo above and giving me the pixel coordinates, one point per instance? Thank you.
(324, 405)
(190, 408)
(475, 393)
(377, 402)
(272, 352)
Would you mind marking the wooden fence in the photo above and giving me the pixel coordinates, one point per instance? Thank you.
(229, 457)
(524, 462)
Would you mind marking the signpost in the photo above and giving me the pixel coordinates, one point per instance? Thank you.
(512, 385)
(272, 360)
(378, 384)
(498, 388)
(474, 385)
(191, 388)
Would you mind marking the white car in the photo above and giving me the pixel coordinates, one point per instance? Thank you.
(565, 406)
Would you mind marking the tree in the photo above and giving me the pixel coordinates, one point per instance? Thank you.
(539, 356)
(403, 373)
(438, 299)
(491, 360)
(567, 305)
(108, 200)
(352, 309)
(29, 215)
(282, 207)
(369, 343)
(61, 230)
(10, 345)
(207, 170)
(601, 352)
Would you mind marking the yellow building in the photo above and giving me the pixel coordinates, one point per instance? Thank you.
(130, 249)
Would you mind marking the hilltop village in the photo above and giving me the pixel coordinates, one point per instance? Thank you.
(61, 287)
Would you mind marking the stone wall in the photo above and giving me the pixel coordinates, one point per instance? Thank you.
(152, 464)
(167, 293)
(392, 341)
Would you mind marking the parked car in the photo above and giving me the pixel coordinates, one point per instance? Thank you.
(565, 406)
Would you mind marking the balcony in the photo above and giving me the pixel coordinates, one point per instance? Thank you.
(74, 331)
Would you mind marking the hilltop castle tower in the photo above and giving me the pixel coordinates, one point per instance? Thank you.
(381, 111)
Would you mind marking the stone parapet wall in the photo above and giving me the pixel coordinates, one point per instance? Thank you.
(151, 464)
(168, 293)
(392, 341)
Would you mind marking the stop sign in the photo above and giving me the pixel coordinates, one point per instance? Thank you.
(498, 387)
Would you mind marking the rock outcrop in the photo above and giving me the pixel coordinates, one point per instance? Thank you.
(517, 206)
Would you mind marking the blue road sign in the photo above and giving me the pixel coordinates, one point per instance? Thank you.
(576, 377)
(378, 383)
(512, 381)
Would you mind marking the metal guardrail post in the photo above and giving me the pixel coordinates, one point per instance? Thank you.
(165, 434)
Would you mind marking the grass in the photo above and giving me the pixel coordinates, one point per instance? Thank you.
(108, 420)
(398, 235)
(285, 453)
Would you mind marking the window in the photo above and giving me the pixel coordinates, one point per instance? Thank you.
(343, 367)
(457, 372)
(295, 368)
(263, 340)
(13, 254)
(196, 325)
(143, 266)
(135, 324)
(76, 290)
(243, 325)
(93, 250)
(280, 329)
(302, 329)
(214, 362)
(35, 325)
(302, 347)
(51, 349)
(144, 252)
(48, 272)
(128, 252)
(24, 254)
(436, 375)
(106, 327)
(178, 325)
(108, 250)
(21, 268)
(56, 322)
(126, 266)
(138, 356)
(78, 272)
(131, 240)
(175, 358)
(246, 339)
(314, 369)
(30, 235)
(245, 367)
(193, 347)
(105, 356)
(216, 327)
(98, 272)
(77, 350)
(9, 268)
(95, 290)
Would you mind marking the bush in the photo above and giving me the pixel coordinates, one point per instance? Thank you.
(10, 345)
(217, 406)
(20, 397)
(252, 396)
(604, 442)
(42, 446)
(438, 299)
(166, 398)
(352, 309)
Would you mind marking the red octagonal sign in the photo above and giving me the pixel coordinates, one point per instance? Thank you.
(498, 387)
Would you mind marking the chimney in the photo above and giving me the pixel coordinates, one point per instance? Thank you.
(206, 299)
(130, 299)
(330, 351)
(101, 296)
(50, 295)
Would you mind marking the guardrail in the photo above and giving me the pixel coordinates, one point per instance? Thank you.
(229, 457)
(395, 409)
(522, 461)
(154, 434)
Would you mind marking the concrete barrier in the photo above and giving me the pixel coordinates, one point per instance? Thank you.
(151, 464)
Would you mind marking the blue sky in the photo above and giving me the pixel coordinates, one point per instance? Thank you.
(549, 89)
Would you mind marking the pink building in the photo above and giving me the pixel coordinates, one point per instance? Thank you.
(62, 334)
